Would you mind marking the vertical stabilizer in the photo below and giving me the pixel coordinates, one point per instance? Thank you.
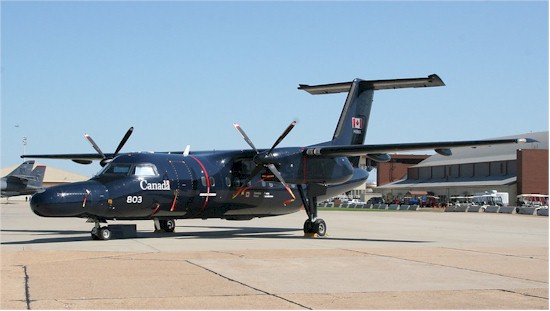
(354, 119)
(22, 170)
(352, 125)
(37, 177)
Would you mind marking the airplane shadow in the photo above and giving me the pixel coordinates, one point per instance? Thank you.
(65, 236)
(215, 232)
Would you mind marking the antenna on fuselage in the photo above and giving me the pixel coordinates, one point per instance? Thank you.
(186, 151)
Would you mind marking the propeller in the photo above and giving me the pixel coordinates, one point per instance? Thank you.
(265, 159)
(107, 159)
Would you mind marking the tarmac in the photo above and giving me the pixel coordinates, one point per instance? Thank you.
(370, 260)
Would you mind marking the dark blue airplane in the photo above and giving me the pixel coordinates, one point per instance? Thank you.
(237, 184)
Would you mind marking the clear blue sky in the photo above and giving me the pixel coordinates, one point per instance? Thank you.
(182, 72)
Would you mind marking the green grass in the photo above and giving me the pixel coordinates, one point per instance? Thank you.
(345, 209)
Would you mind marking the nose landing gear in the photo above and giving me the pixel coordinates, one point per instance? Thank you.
(98, 232)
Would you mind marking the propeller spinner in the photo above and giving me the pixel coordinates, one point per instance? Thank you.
(265, 159)
(107, 159)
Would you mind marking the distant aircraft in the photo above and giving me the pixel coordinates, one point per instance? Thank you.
(23, 180)
(236, 184)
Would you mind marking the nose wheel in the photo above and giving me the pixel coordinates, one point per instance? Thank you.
(100, 233)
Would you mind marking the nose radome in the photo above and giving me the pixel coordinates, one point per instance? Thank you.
(71, 200)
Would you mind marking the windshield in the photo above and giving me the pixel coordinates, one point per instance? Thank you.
(125, 169)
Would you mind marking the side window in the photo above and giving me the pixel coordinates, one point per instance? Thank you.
(145, 170)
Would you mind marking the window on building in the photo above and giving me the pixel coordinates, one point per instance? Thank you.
(467, 170)
(481, 169)
(438, 172)
(425, 172)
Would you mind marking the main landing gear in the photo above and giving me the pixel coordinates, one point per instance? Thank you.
(165, 225)
(312, 225)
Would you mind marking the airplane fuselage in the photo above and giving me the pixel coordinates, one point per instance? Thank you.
(199, 185)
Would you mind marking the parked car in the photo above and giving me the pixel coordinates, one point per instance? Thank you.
(376, 200)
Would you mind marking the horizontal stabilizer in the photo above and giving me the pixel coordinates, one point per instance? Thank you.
(431, 80)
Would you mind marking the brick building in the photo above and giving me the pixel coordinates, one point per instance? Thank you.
(512, 168)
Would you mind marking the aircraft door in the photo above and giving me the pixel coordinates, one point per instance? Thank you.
(184, 187)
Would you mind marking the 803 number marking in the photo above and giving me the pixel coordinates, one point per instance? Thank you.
(134, 199)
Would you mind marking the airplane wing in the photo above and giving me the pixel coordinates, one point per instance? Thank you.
(81, 158)
(442, 148)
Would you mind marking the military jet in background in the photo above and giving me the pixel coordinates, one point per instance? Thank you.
(235, 184)
(23, 180)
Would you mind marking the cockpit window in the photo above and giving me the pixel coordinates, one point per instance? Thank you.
(145, 170)
(125, 169)
(117, 169)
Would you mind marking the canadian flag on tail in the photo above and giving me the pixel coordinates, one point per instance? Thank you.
(357, 123)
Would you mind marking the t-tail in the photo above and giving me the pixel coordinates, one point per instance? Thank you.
(354, 119)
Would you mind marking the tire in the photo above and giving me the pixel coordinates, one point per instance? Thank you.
(168, 225)
(104, 233)
(308, 226)
(320, 227)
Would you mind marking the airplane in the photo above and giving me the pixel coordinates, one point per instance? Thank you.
(235, 184)
(23, 180)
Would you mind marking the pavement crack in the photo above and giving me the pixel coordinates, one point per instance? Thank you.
(492, 253)
(27, 292)
(249, 286)
(522, 294)
(445, 266)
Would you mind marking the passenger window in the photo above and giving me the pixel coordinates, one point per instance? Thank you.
(145, 170)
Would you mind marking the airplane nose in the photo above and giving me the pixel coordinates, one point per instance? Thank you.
(71, 200)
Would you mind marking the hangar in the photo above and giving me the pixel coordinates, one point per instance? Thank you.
(513, 168)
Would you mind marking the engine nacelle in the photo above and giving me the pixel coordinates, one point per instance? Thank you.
(379, 157)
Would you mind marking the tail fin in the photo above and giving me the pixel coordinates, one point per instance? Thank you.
(22, 170)
(352, 125)
(37, 177)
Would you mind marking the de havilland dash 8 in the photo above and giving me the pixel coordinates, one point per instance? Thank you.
(236, 184)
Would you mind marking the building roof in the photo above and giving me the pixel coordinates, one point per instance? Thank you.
(52, 175)
(466, 155)
(505, 152)
(462, 182)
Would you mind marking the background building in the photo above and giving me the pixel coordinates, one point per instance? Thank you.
(512, 168)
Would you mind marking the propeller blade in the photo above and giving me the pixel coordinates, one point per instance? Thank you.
(96, 147)
(278, 175)
(243, 134)
(245, 186)
(280, 139)
(123, 141)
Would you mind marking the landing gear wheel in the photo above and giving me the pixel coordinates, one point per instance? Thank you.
(320, 227)
(104, 233)
(308, 226)
(168, 225)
